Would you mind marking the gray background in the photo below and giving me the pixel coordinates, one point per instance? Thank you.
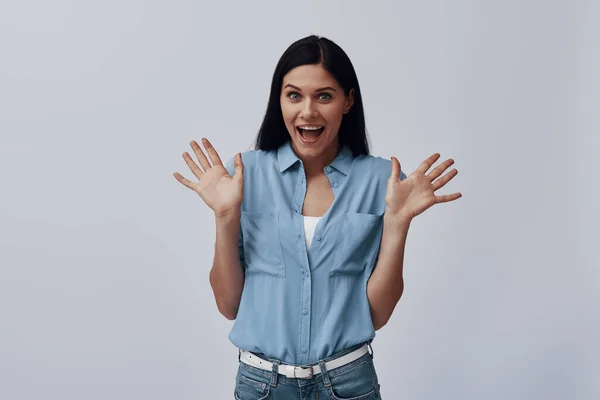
(104, 256)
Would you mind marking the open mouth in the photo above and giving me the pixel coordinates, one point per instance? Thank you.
(310, 133)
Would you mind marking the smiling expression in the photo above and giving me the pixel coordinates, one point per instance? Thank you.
(312, 105)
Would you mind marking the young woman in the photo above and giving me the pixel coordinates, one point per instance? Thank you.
(310, 233)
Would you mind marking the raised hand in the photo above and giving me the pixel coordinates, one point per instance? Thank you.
(410, 197)
(222, 192)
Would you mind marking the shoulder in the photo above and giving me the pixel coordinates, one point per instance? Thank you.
(252, 159)
(380, 168)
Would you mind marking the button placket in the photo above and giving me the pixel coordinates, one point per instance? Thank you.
(305, 281)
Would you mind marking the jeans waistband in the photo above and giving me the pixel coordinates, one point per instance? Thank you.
(332, 357)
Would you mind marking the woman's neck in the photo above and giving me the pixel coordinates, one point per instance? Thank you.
(315, 166)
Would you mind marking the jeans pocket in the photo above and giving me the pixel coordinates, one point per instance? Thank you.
(356, 383)
(249, 388)
(261, 241)
(359, 241)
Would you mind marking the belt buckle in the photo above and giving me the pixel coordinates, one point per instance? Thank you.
(310, 375)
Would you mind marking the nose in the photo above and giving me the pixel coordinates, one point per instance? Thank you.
(309, 110)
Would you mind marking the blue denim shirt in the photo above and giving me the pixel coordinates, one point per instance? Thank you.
(299, 305)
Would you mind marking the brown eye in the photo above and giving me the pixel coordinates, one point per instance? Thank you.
(324, 96)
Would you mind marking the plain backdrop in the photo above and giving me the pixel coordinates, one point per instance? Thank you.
(104, 256)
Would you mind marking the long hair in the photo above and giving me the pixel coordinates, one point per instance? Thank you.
(315, 50)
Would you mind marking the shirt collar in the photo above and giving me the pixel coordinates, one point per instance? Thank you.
(286, 158)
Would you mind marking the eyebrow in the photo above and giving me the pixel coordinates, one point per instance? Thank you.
(318, 90)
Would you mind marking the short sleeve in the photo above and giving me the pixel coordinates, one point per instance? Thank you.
(229, 166)
(383, 168)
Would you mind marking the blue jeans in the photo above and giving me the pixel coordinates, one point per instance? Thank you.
(356, 380)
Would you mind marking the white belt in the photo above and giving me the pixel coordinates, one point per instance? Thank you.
(308, 372)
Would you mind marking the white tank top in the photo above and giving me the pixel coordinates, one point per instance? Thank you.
(310, 224)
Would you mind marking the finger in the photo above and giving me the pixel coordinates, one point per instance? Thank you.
(444, 179)
(425, 165)
(200, 155)
(447, 197)
(238, 172)
(212, 153)
(437, 171)
(193, 167)
(395, 175)
(185, 182)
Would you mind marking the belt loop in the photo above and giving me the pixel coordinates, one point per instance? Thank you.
(371, 347)
(324, 374)
(275, 373)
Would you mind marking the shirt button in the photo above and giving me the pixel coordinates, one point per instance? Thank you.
(318, 237)
(305, 312)
(335, 184)
(304, 350)
(328, 169)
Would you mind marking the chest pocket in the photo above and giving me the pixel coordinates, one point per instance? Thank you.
(262, 243)
(358, 243)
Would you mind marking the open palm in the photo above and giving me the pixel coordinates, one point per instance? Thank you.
(220, 191)
(412, 196)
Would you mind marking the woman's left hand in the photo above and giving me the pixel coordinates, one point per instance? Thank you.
(410, 197)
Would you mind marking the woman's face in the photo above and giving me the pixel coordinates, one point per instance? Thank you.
(312, 104)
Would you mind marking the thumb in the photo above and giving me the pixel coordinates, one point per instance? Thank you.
(395, 175)
(238, 172)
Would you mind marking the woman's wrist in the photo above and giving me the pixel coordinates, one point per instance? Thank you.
(396, 222)
(228, 217)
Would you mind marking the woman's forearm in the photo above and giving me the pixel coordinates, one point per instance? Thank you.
(226, 274)
(386, 283)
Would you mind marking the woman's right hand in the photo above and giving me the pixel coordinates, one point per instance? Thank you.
(222, 192)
